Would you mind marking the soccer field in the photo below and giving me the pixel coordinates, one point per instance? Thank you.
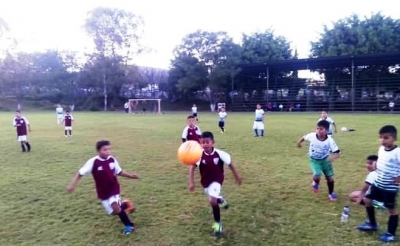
(273, 206)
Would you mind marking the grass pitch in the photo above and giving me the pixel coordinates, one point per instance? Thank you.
(274, 205)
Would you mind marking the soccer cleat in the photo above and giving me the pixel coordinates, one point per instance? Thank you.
(217, 227)
(387, 238)
(128, 230)
(224, 204)
(315, 187)
(366, 226)
(332, 197)
(129, 206)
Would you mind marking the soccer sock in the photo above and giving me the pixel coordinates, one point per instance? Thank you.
(256, 132)
(331, 186)
(316, 180)
(124, 206)
(65, 132)
(262, 132)
(223, 129)
(371, 215)
(23, 147)
(216, 213)
(28, 146)
(70, 132)
(125, 218)
(220, 200)
(393, 223)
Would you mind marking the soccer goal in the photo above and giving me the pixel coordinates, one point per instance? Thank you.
(145, 106)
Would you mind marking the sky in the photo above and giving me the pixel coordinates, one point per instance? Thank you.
(58, 24)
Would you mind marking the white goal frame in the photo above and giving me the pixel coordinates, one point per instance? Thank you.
(140, 99)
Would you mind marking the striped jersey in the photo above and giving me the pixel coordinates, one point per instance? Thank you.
(388, 168)
(320, 149)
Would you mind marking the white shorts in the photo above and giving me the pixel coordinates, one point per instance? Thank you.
(259, 125)
(23, 138)
(213, 190)
(68, 128)
(107, 203)
(60, 116)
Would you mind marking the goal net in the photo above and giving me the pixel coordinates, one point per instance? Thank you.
(145, 106)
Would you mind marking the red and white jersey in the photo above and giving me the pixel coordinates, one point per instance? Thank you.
(212, 166)
(21, 125)
(191, 133)
(68, 119)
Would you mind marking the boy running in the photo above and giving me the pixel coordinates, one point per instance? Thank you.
(324, 116)
(68, 120)
(386, 185)
(194, 112)
(191, 131)
(105, 169)
(23, 127)
(321, 145)
(259, 121)
(211, 167)
(222, 116)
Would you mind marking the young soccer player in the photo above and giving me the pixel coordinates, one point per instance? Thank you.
(105, 169)
(222, 116)
(386, 185)
(68, 120)
(23, 127)
(194, 112)
(211, 167)
(358, 195)
(191, 131)
(321, 147)
(324, 116)
(259, 121)
(59, 114)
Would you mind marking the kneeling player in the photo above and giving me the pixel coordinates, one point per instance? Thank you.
(105, 169)
(68, 119)
(211, 167)
(22, 125)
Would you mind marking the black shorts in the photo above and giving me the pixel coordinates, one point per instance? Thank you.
(387, 197)
(194, 114)
(221, 123)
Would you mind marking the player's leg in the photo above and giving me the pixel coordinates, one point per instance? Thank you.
(389, 200)
(66, 131)
(22, 143)
(354, 195)
(317, 172)
(112, 206)
(70, 132)
(371, 224)
(261, 127)
(255, 125)
(221, 125)
(327, 169)
(213, 192)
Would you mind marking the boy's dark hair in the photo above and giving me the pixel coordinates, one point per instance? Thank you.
(190, 117)
(67, 111)
(389, 129)
(324, 124)
(372, 158)
(100, 144)
(17, 111)
(326, 111)
(209, 135)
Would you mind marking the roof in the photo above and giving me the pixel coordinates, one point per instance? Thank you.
(325, 62)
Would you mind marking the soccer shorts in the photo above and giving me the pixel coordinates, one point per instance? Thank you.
(221, 124)
(107, 203)
(387, 197)
(320, 167)
(194, 114)
(213, 190)
(68, 128)
(259, 125)
(60, 116)
(22, 138)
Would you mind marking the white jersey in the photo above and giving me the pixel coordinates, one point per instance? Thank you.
(126, 105)
(331, 122)
(59, 111)
(194, 110)
(371, 177)
(318, 149)
(222, 116)
(388, 168)
(259, 114)
(391, 104)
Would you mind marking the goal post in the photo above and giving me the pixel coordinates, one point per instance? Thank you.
(143, 105)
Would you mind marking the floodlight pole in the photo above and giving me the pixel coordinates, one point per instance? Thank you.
(352, 84)
(267, 84)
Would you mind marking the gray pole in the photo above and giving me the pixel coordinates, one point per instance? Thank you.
(267, 84)
(105, 92)
(352, 84)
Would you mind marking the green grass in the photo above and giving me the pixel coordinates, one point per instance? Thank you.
(274, 205)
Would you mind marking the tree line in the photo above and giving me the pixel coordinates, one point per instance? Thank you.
(204, 63)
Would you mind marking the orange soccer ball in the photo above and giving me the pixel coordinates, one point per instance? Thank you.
(189, 153)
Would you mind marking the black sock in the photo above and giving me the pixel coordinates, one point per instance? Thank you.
(316, 180)
(331, 186)
(66, 132)
(70, 132)
(223, 129)
(125, 218)
(371, 215)
(28, 146)
(393, 223)
(124, 206)
(23, 147)
(216, 213)
(220, 200)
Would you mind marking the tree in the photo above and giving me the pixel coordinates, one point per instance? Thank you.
(116, 34)
(204, 61)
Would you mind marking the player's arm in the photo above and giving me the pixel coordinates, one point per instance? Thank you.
(226, 158)
(198, 132)
(184, 134)
(118, 171)
(28, 126)
(335, 151)
(263, 116)
(304, 138)
(235, 173)
(363, 191)
(85, 170)
(334, 125)
(192, 168)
